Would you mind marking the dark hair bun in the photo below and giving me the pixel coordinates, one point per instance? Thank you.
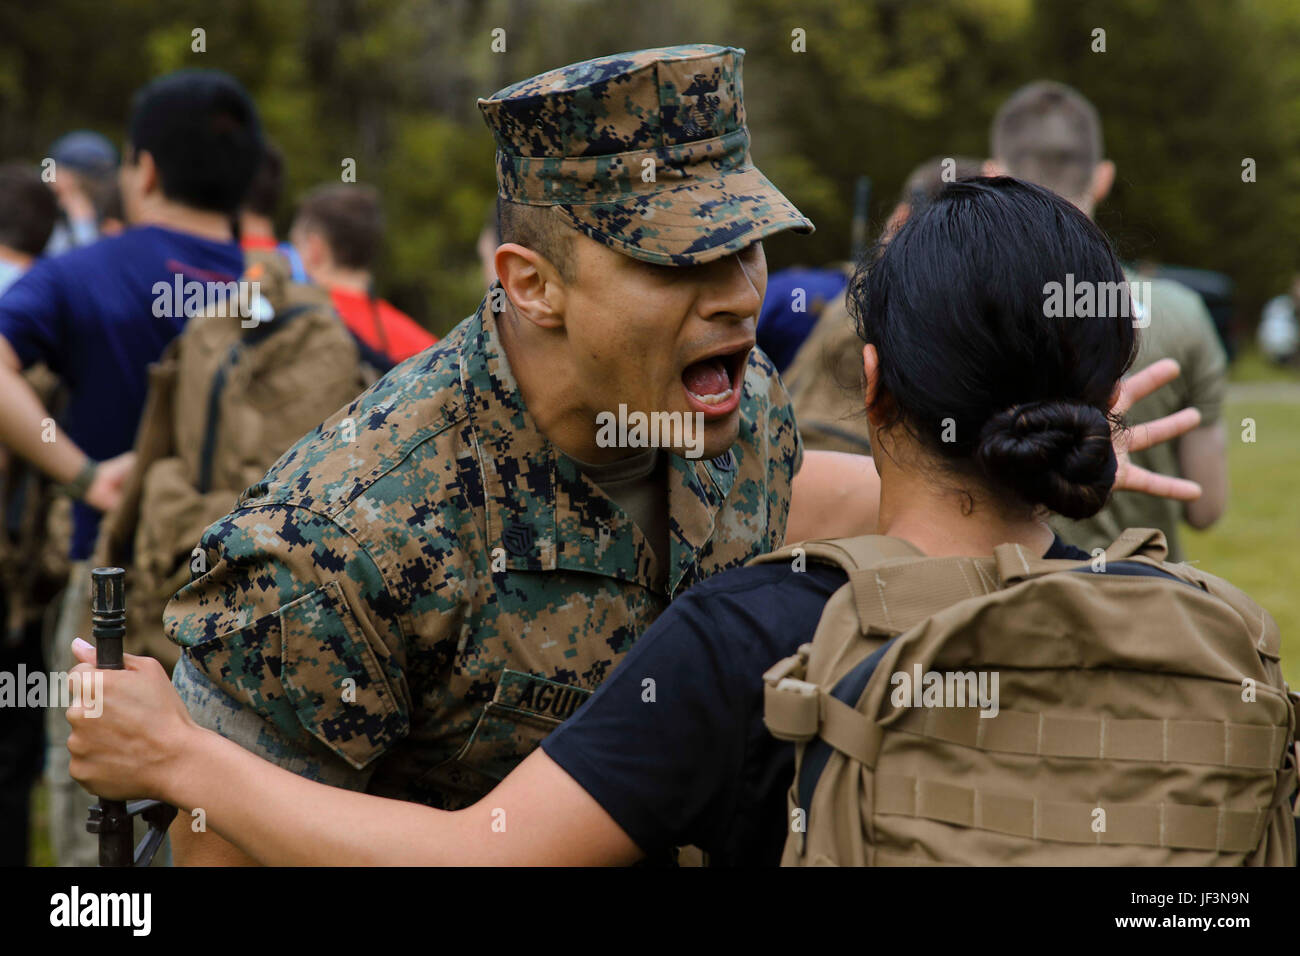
(1054, 453)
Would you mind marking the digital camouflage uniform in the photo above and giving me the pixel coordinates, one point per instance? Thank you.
(424, 586)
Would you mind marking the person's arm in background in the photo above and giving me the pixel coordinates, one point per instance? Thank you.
(835, 495)
(28, 331)
(1203, 458)
(1203, 452)
(21, 422)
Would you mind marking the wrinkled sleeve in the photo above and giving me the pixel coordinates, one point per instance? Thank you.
(291, 644)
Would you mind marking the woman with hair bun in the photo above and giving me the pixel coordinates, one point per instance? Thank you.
(987, 412)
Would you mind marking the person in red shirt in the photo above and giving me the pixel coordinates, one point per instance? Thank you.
(338, 232)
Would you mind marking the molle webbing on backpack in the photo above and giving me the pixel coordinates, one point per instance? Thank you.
(1124, 733)
(1160, 825)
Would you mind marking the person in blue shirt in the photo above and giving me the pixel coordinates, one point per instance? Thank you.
(95, 316)
(953, 324)
(89, 314)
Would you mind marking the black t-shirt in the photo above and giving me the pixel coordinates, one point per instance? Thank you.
(673, 744)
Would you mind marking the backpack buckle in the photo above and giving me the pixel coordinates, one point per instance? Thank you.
(783, 668)
(791, 707)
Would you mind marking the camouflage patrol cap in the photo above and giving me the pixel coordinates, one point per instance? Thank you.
(646, 152)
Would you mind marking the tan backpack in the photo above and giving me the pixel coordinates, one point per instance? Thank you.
(224, 403)
(35, 529)
(1134, 717)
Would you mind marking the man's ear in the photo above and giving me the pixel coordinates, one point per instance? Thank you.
(146, 172)
(1103, 178)
(308, 244)
(532, 284)
(315, 250)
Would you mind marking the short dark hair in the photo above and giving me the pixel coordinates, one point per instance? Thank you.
(350, 218)
(202, 130)
(978, 368)
(28, 209)
(263, 196)
(1048, 134)
(541, 229)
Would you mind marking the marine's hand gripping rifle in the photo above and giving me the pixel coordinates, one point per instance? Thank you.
(114, 820)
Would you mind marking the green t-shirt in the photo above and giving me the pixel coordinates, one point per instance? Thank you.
(1180, 329)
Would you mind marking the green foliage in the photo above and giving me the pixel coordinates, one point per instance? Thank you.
(1186, 91)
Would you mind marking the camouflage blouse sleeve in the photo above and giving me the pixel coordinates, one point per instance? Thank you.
(293, 622)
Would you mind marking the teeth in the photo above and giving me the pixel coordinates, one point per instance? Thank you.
(717, 399)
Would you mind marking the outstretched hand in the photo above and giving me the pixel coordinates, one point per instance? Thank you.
(1131, 477)
(129, 730)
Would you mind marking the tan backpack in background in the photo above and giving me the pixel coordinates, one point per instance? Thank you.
(1141, 717)
(35, 529)
(224, 403)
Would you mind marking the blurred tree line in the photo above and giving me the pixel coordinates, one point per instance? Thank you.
(1186, 91)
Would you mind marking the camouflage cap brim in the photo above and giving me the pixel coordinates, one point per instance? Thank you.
(691, 224)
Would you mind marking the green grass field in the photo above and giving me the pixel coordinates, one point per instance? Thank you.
(1254, 545)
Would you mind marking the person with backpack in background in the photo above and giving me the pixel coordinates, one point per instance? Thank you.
(225, 401)
(98, 315)
(339, 232)
(253, 388)
(984, 420)
(28, 212)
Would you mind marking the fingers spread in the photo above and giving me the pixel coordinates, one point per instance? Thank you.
(1141, 384)
(1162, 486)
(1163, 429)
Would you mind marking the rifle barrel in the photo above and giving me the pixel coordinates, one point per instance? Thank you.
(109, 818)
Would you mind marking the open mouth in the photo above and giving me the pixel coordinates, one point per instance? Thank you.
(713, 383)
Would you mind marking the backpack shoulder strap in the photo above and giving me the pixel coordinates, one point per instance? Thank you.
(1016, 563)
(851, 554)
(898, 595)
